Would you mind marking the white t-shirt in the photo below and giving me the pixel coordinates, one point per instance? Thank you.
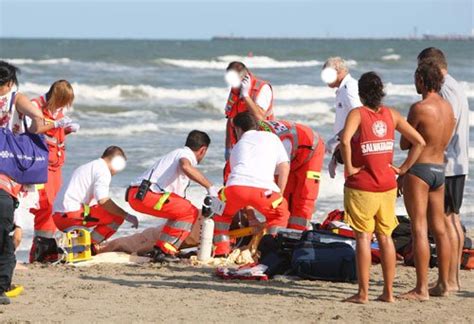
(166, 173)
(264, 98)
(457, 152)
(254, 159)
(347, 98)
(89, 182)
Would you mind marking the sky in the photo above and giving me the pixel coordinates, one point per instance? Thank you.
(178, 19)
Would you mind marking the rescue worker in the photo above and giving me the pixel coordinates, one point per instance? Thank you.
(255, 160)
(247, 93)
(13, 107)
(305, 149)
(53, 104)
(161, 192)
(85, 200)
(335, 74)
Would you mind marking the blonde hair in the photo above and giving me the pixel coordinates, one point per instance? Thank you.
(337, 63)
(59, 95)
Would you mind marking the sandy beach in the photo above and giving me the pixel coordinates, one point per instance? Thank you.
(181, 293)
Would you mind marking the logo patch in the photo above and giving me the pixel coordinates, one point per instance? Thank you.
(379, 128)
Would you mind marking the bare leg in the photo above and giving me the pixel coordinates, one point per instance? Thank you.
(456, 239)
(415, 195)
(387, 253)
(364, 260)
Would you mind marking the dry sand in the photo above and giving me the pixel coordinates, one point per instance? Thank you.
(179, 293)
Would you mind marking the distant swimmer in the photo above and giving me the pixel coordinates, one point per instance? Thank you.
(335, 74)
(456, 157)
(247, 93)
(305, 149)
(54, 105)
(85, 199)
(161, 192)
(371, 188)
(423, 185)
(255, 160)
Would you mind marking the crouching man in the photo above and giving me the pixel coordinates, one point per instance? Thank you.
(161, 192)
(305, 149)
(254, 161)
(85, 200)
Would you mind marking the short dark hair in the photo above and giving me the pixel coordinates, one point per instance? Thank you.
(197, 139)
(245, 121)
(236, 65)
(112, 151)
(434, 55)
(371, 90)
(430, 73)
(8, 73)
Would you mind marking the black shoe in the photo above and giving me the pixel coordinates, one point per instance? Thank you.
(4, 300)
(158, 256)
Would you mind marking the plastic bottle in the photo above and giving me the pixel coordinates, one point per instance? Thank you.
(207, 232)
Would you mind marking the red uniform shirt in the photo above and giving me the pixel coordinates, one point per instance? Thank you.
(372, 149)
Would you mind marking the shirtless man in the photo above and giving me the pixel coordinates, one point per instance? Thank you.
(423, 186)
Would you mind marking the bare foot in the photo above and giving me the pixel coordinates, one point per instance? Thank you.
(386, 298)
(414, 295)
(454, 287)
(357, 299)
(439, 291)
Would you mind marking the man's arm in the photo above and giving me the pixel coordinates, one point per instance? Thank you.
(412, 138)
(350, 128)
(413, 120)
(283, 170)
(110, 206)
(26, 107)
(193, 173)
(257, 111)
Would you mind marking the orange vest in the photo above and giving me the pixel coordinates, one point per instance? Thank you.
(55, 137)
(302, 138)
(236, 105)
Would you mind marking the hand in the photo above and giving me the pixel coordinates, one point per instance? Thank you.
(63, 122)
(73, 128)
(132, 219)
(332, 166)
(213, 191)
(332, 145)
(399, 171)
(245, 87)
(353, 170)
(400, 181)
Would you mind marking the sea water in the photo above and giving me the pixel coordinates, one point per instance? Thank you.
(146, 95)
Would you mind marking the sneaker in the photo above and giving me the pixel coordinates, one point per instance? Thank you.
(4, 300)
(158, 256)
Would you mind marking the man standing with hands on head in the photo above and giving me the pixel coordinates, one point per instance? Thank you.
(247, 93)
(456, 158)
(336, 74)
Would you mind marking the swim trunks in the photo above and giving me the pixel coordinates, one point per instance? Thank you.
(432, 174)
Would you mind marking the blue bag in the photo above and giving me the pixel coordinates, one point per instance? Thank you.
(316, 260)
(23, 157)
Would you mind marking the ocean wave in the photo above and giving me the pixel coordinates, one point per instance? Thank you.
(391, 57)
(87, 94)
(120, 130)
(27, 61)
(253, 62)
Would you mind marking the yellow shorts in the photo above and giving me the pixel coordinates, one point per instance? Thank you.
(370, 212)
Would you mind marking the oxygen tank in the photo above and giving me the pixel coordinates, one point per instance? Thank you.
(207, 231)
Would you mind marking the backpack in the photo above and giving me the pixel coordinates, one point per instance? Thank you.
(324, 256)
